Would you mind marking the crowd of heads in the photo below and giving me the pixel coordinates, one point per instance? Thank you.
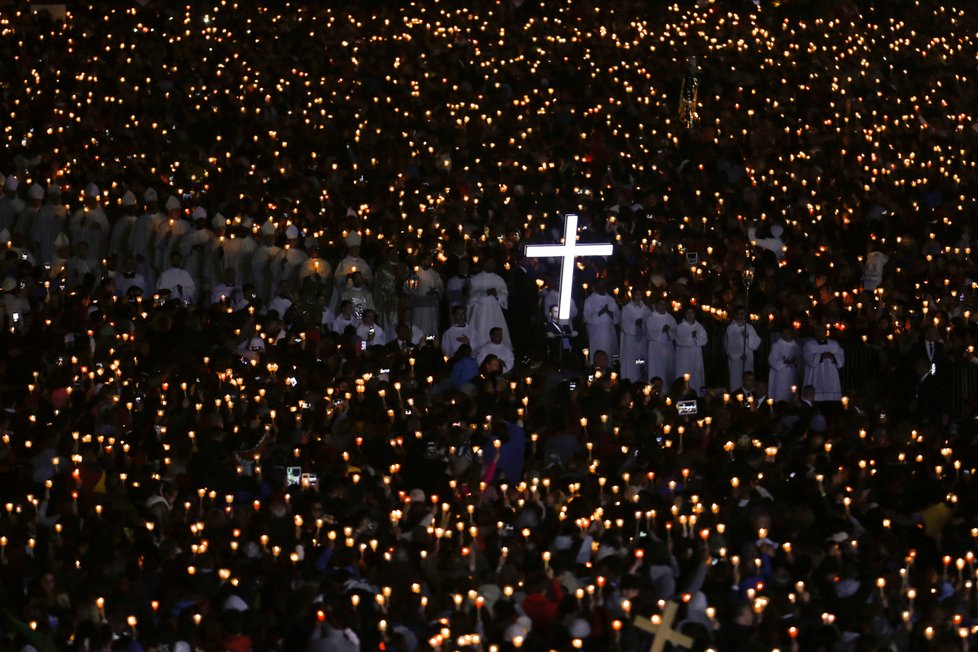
(243, 407)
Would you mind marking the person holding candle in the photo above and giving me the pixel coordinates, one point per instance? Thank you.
(691, 337)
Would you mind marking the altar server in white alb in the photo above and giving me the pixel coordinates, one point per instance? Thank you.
(89, 224)
(601, 316)
(488, 297)
(634, 346)
(741, 341)
(823, 359)
(691, 337)
(786, 364)
(660, 332)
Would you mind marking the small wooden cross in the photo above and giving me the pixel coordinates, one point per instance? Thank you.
(661, 629)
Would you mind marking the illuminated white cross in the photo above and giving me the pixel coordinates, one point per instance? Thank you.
(567, 252)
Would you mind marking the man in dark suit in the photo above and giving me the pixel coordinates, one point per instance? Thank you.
(557, 337)
(931, 348)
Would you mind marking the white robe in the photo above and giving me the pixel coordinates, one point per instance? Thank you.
(501, 351)
(123, 282)
(425, 301)
(142, 242)
(237, 255)
(823, 375)
(349, 264)
(784, 375)
(168, 237)
(320, 270)
(230, 294)
(737, 362)
(634, 345)
(379, 338)
(486, 311)
(180, 284)
(91, 226)
(9, 210)
(194, 249)
(601, 334)
(48, 223)
(690, 340)
(342, 321)
(661, 357)
(119, 241)
(450, 338)
(264, 267)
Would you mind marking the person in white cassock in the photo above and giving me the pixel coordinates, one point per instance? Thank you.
(169, 233)
(239, 248)
(370, 331)
(425, 292)
(457, 334)
(177, 281)
(488, 297)
(121, 236)
(227, 291)
(353, 260)
(282, 300)
(660, 332)
(601, 316)
(25, 219)
(634, 345)
(128, 277)
(143, 237)
(48, 223)
(89, 224)
(785, 361)
(194, 247)
(215, 252)
(265, 262)
(355, 291)
(345, 317)
(293, 258)
(823, 359)
(315, 267)
(81, 264)
(496, 347)
(740, 342)
(691, 337)
(10, 204)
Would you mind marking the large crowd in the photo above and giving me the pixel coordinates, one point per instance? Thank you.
(277, 373)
